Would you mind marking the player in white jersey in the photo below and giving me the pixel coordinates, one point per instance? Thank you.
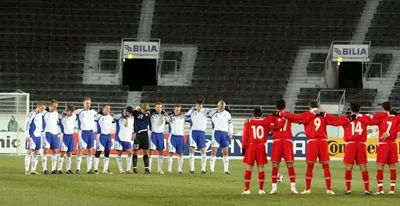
(51, 140)
(123, 137)
(34, 127)
(157, 126)
(176, 141)
(104, 123)
(86, 126)
(222, 134)
(197, 117)
(67, 125)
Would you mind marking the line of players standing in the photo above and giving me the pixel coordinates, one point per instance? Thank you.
(355, 124)
(43, 129)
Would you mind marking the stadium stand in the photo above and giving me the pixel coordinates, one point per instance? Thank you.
(247, 48)
(43, 44)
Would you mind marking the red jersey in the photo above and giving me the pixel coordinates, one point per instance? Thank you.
(314, 126)
(282, 128)
(355, 130)
(387, 123)
(255, 133)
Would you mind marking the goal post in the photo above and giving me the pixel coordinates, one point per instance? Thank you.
(14, 108)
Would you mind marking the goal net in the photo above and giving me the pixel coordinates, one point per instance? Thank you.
(14, 108)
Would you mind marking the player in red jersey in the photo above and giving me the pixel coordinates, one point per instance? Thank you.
(355, 136)
(282, 147)
(388, 124)
(253, 146)
(315, 123)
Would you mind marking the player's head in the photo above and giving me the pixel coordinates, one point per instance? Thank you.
(280, 104)
(158, 107)
(144, 108)
(106, 109)
(87, 102)
(70, 110)
(386, 106)
(355, 107)
(199, 104)
(257, 112)
(129, 111)
(40, 106)
(53, 105)
(221, 105)
(313, 105)
(177, 109)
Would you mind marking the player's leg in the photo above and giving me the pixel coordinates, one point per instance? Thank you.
(47, 141)
(171, 152)
(348, 177)
(160, 158)
(151, 149)
(63, 149)
(393, 159)
(106, 157)
(81, 144)
(179, 146)
(35, 149)
(28, 160)
(261, 179)
(68, 162)
(214, 148)
(288, 155)
(365, 178)
(361, 161)
(145, 146)
(324, 159)
(136, 147)
(381, 160)
(54, 147)
(348, 160)
(247, 179)
(224, 144)
(201, 143)
(276, 156)
(261, 159)
(194, 144)
(127, 146)
(119, 161)
(311, 158)
(89, 157)
(99, 148)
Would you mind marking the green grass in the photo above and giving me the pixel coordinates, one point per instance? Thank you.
(173, 189)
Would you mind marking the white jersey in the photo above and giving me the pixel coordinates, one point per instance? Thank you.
(222, 121)
(67, 124)
(177, 125)
(34, 124)
(198, 119)
(51, 122)
(104, 124)
(157, 123)
(124, 127)
(86, 119)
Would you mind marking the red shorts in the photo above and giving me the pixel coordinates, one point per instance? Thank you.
(317, 148)
(282, 148)
(355, 152)
(255, 153)
(387, 153)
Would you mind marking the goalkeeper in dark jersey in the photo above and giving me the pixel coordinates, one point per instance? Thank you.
(141, 142)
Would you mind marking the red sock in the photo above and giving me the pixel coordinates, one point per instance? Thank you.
(348, 177)
(327, 175)
(393, 178)
(274, 175)
(292, 174)
(309, 175)
(365, 177)
(247, 178)
(261, 178)
(379, 179)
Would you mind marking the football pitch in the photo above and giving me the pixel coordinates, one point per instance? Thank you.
(174, 189)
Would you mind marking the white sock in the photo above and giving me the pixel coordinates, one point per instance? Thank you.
(225, 159)
(68, 161)
(293, 186)
(78, 162)
(96, 163)
(34, 162)
(27, 162)
(180, 163)
(60, 163)
(203, 161)
(119, 162)
(89, 161)
(150, 162)
(44, 162)
(128, 162)
(212, 163)
(53, 162)
(274, 186)
(191, 162)
(160, 162)
(170, 161)
(106, 161)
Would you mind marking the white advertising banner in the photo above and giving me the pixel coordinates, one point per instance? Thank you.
(12, 142)
(350, 51)
(141, 50)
